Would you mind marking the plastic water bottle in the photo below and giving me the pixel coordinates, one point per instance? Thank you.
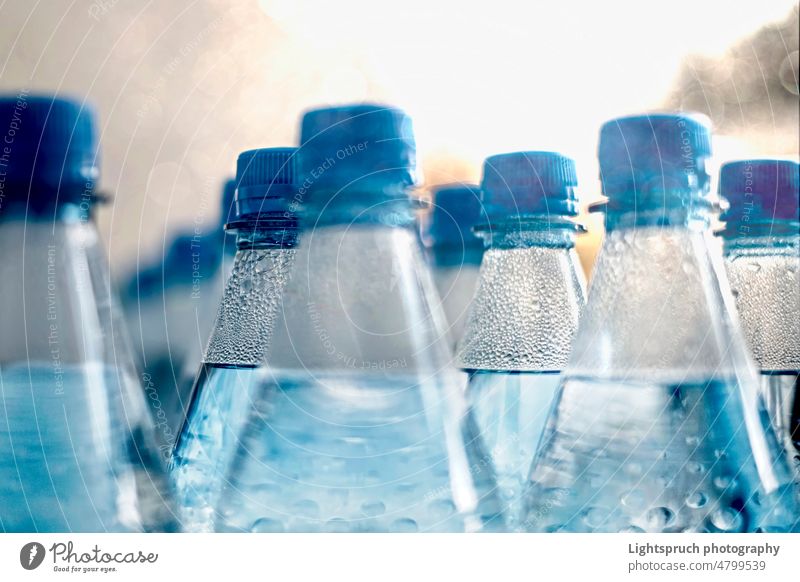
(266, 229)
(359, 425)
(657, 424)
(452, 251)
(523, 319)
(77, 451)
(762, 252)
(170, 306)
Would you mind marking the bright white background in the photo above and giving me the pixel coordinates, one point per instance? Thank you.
(183, 86)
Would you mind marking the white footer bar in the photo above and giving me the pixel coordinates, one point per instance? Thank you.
(390, 557)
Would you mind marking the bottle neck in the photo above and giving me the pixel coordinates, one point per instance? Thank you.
(276, 231)
(694, 218)
(767, 244)
(527, 232)
(390, 206)
(764, 229)
(264, 261)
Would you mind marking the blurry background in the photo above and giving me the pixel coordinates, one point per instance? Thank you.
(183, 86)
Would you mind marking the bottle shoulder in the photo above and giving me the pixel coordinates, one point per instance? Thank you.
(659, 302)
(525, 310)
(359, 297)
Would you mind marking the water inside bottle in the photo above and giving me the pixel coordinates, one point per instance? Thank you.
(357, 453)
(60, 432)
(651, 456)
(209, 439)
(510, 409)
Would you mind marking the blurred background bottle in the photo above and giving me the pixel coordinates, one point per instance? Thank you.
(266, 236)
(359, 425)
(77, 450)
(452, 250)
(762, 255)
(169, 305)
(657, 424)
(530, 295)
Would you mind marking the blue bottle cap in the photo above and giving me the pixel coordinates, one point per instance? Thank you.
(363, 149)
(266, 182)
(49, 153)
(759, 192)
(653, 161)
(529, 183)
(456, 209)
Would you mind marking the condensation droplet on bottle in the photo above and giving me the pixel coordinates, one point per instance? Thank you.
(696, 500)
(659, 517)
(727, 519)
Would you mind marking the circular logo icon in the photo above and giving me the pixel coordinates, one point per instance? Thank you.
(31, 555)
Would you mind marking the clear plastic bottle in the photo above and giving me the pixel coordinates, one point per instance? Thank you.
(266, 229)
(762, 256)
(523, 319)
(452, 251)
(657, 424)
(77, 450)
(360, 424)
